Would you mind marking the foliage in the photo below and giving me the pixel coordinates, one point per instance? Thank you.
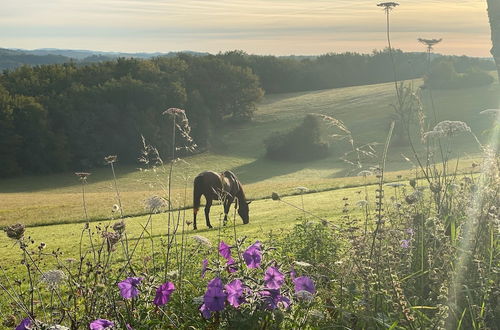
(444, 76)
(300, 144)
(64, 116)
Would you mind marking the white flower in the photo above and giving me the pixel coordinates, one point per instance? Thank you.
(395, 184)
(53, 277)
(447, 128)
(202, 240)
(115, 208)
(362, 203)
(365, 173)
(304, 295)
(302, 189)
(302, 264)
(316, 314)
(155, 203)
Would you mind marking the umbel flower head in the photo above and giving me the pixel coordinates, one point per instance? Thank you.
(155, 203)
(447, 128)
(53, 277)
(83, 175)
(110, 159)
(430, 43)
(15, 231)
(128, 287)
(388, 6)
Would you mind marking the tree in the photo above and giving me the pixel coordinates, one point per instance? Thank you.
(494, 16)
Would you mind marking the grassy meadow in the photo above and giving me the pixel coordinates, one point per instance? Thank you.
(366, 111)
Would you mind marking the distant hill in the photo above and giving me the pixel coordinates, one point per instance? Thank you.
(14, 58)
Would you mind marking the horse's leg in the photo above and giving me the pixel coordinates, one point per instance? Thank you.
(207, 212)
(195, 211)
(227, 205)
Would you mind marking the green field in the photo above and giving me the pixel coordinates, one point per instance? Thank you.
(366, 111)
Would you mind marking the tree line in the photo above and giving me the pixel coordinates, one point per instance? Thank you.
(68, 116)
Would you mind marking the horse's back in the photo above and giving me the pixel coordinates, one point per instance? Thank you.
(208, 183)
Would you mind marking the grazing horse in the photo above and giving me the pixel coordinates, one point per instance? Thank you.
(225, 187)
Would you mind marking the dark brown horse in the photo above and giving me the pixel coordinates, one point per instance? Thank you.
(219, 186)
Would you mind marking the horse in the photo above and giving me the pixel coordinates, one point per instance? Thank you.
(219, 186)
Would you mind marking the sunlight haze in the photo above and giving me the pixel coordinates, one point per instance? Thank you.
(260, 26)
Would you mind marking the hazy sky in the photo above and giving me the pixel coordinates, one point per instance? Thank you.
(256, 26)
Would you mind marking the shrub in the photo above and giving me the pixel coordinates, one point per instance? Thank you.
(443, 75)
(300, 144)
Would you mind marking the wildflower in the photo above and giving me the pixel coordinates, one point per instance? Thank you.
(25, 324)
(395, 184)
(231, 265)
(224, 250)
(388, 6)
(235, 293)
(129, 327)
(101, 324)
(174, 111)
(273, 299)
(495, 112)
(128, 287)
(163, 293)
(273, 278)
(53, 277)
(119, 227)
(204, 267)
(302, 189)
(15, 231)
(205, 312)
(115, 208)
(111, 239)
(316, 314)
(202, 240)
(275, 196)
(430, 43)
(155, 203)
(110, 159)
(361, 203)
(302, 264)
(253, 255)
(405, 243)
(304, 295)
(83, 175)
(304, 283)
(365, 173)
(214, 297)
(447, 128)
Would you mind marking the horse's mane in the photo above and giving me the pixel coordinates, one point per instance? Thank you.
(232, 176)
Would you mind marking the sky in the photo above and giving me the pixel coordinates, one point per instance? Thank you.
(275, 27)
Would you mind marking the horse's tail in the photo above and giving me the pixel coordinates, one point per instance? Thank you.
(197, 192)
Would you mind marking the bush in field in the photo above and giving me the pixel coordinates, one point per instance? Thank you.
(444, 76)
(300, 144)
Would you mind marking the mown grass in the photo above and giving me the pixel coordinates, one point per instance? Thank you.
(366, 110)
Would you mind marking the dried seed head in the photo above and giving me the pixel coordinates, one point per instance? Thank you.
(15, 231)
(53, 277)
(110, 159)
(155, 203)
(119, 227)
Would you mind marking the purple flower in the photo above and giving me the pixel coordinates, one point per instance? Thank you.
(273, 298)
(163, 293)
(204, 268)
(405, 243)
(231, 265)
(129, 327)
(253, 255)
(273, 278)
(235, 293)
(128, 287)
(224, 250)
(214, 297)
(25, 324)
(101, 324)
(304, 283)
(293, 274)
(205, 312)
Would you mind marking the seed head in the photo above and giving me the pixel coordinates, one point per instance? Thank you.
(388, 6)
(53, 278)
(155, 203)
(15, 231)
(110, 159)
(119, 227)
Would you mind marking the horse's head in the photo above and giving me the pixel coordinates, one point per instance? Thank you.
(243, 212)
